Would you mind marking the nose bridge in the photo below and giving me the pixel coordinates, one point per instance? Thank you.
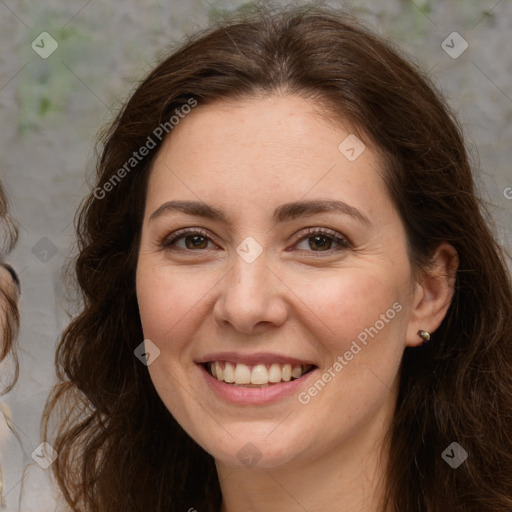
(249, 276)
(251, 294)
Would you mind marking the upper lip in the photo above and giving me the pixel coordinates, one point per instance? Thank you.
(252, 359)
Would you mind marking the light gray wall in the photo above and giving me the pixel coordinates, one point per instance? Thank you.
(51, 110)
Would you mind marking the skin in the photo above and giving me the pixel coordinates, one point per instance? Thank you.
(298, 298)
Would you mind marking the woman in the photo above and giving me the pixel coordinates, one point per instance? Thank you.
(9, 321)
(285, 214)
(9, 288)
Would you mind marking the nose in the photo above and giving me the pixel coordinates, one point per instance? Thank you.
(252, 297)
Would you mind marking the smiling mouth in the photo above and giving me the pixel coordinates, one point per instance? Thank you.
(256, 376)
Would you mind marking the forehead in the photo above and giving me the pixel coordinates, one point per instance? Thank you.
(267, 147)
(267, 127)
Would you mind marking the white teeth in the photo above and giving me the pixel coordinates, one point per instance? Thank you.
(274, 374)
(229, 372)
(242, 374)
(297, 371)
(219, 371)
(259, 375)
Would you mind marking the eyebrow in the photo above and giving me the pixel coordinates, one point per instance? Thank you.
(285, 212)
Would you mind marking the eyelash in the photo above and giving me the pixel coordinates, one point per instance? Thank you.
(343, 242)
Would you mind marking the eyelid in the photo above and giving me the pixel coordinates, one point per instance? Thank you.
(183, 232)
(337, 237)
(300, 236)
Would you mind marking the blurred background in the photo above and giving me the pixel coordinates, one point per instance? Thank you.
(65, 69)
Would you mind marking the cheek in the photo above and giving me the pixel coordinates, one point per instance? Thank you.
(170, 307)
(336, 307)
(347, 306)
(170, 303)
(359, 323)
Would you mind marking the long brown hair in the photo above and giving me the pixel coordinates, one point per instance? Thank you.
(120, 448)
(9, 314)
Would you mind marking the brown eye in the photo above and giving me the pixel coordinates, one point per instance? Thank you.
(196, 242)
(322, 240)
(187, 239)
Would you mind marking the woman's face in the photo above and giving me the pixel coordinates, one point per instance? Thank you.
(288, 253)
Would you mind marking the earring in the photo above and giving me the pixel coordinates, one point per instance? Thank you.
(425, 335)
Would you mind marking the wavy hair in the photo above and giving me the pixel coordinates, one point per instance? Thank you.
(119, 447)
(9, 314)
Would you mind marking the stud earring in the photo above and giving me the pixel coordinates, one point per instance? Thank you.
(425, 335)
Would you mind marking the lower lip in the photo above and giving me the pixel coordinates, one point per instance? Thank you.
(251, 396)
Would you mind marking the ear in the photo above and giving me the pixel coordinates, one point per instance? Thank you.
(433, 294)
